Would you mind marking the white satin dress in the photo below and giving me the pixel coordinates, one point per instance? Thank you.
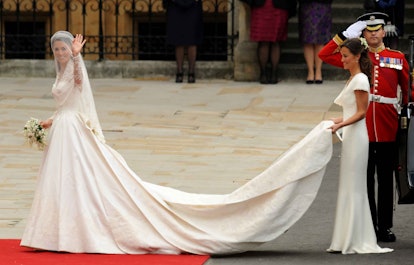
(88, 200)
(353, 229)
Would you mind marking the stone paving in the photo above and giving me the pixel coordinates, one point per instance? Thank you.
(207, 137)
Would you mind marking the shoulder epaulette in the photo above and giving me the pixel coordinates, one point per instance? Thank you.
(392, 50)
(339, 38)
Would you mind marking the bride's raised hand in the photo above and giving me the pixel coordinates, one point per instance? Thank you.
(77, 44)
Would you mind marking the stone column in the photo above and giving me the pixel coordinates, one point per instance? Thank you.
(245, 56)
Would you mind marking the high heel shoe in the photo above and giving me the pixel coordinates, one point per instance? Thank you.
(263, 78)
(191, 78)
(274, 77)
(179, 77)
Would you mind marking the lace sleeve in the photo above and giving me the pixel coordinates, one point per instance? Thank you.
(77, 71)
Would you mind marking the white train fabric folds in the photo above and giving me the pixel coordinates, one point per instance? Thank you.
(89, 201)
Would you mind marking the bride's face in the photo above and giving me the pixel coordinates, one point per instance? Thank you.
(61, 52)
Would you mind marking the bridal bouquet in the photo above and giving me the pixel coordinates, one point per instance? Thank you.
(34, 133)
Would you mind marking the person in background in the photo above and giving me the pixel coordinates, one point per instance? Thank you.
(269, 27)
(390, 71)
(353, 230)
(395, 10)
(315, 23)
(185, 32)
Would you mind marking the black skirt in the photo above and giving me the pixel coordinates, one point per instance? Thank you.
(185, 25)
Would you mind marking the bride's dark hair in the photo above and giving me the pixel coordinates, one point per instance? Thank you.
(359, 46)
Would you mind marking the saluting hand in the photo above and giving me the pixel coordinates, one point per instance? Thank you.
(355, 30)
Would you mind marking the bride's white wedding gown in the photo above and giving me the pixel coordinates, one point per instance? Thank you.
(88, 200)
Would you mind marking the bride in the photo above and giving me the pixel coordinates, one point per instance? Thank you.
(88, 200)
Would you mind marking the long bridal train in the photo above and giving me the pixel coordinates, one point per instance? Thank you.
(99, 205)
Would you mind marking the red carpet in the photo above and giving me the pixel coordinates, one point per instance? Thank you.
(11, 253)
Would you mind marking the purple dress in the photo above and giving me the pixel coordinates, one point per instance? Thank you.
(315, 22)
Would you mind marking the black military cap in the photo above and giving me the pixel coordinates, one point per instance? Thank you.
(375, 20)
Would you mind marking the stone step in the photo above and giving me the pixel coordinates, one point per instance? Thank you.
(153, 70)
(292, 51)
(292, 63)
(344, 13)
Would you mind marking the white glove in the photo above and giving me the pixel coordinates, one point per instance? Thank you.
(355, 30)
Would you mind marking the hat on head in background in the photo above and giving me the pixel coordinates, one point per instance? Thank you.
(375, 20)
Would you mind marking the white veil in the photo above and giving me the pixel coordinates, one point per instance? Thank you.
(86, 104)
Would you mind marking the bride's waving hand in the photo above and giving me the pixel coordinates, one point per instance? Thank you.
(77, 44)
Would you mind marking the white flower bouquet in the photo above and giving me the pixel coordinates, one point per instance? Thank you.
(35, 133)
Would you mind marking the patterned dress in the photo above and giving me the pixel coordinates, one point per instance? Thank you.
(268, 23)
(315, 22)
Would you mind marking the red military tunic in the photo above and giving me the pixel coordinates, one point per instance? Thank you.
(390, 69)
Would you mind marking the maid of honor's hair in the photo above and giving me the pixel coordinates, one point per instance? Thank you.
(357, 46)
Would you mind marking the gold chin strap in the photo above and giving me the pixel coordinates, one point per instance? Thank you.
(378, 49)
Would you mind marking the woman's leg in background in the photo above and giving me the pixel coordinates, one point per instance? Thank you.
(179, 58)
(274, 59)
(192, 56)
(313, 63)
(309, 54)
(263, 58)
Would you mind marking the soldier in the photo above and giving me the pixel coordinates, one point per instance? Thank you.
(390, 70)
(394, 30)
